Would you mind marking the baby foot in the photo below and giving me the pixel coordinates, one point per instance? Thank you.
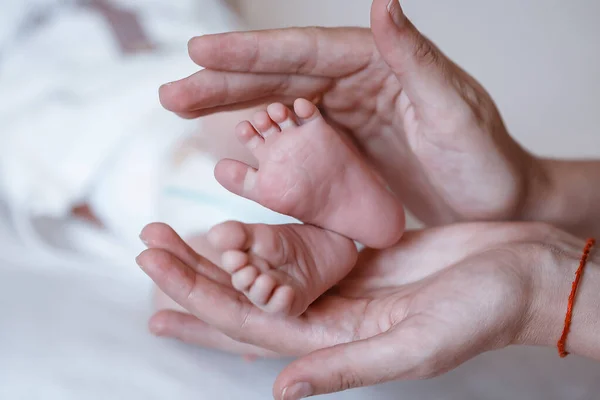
(307, 171)
(282, 268)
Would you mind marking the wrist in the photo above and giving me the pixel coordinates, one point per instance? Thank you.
(542, 198)
(553, 263)
(564, 194)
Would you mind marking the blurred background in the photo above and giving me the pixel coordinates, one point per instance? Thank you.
(80, 124)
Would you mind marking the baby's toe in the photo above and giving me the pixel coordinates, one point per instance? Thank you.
(264, 124)
(249, 136)
(260, 292)
(244, 279)
(230, 235)
(238, 178)
(306, 111)
(281, 301)
(234, 260)
(267, 243)
(281, 115)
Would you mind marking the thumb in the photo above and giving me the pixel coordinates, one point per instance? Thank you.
(419, 65)
(388, 356)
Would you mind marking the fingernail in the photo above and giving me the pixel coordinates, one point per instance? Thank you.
(144, 241)
(396, 12)
(137, 261)
(297, 391)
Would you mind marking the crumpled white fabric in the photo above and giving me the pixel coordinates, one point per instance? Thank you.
(80, 122)
(68, 100)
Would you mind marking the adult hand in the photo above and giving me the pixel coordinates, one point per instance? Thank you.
(429, 128)
(420, 309)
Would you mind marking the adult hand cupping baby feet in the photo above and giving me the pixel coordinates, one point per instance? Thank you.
(416, 310)
(430, 129)
(419, 309)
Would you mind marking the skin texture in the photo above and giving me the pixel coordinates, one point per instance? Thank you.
(428, 127)
(307, 171)
(282, 268)
(424, 123)
(436, 299)
(417, 310)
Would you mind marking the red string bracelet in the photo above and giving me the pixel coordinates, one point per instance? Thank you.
(563, 339)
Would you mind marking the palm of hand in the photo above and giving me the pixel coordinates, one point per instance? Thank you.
(434, 319)
(413, 310)
(436, 151)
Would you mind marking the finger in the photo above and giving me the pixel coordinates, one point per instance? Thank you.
(212, 91)
(304, 51)
(226, 309)
(395, 354)
(191, 330)
(420, 67)
(243, 105)
(162, 236)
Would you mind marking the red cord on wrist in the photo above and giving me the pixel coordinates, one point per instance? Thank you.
(563, 339)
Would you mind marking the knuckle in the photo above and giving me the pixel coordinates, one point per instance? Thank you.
(189, 288)
(241, 331)
(425, 52)
(349, 380)
(310, 57)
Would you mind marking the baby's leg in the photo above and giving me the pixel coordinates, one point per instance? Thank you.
(282, 268)
(307, 171)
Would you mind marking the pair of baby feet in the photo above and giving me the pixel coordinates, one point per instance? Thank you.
(309, 172)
